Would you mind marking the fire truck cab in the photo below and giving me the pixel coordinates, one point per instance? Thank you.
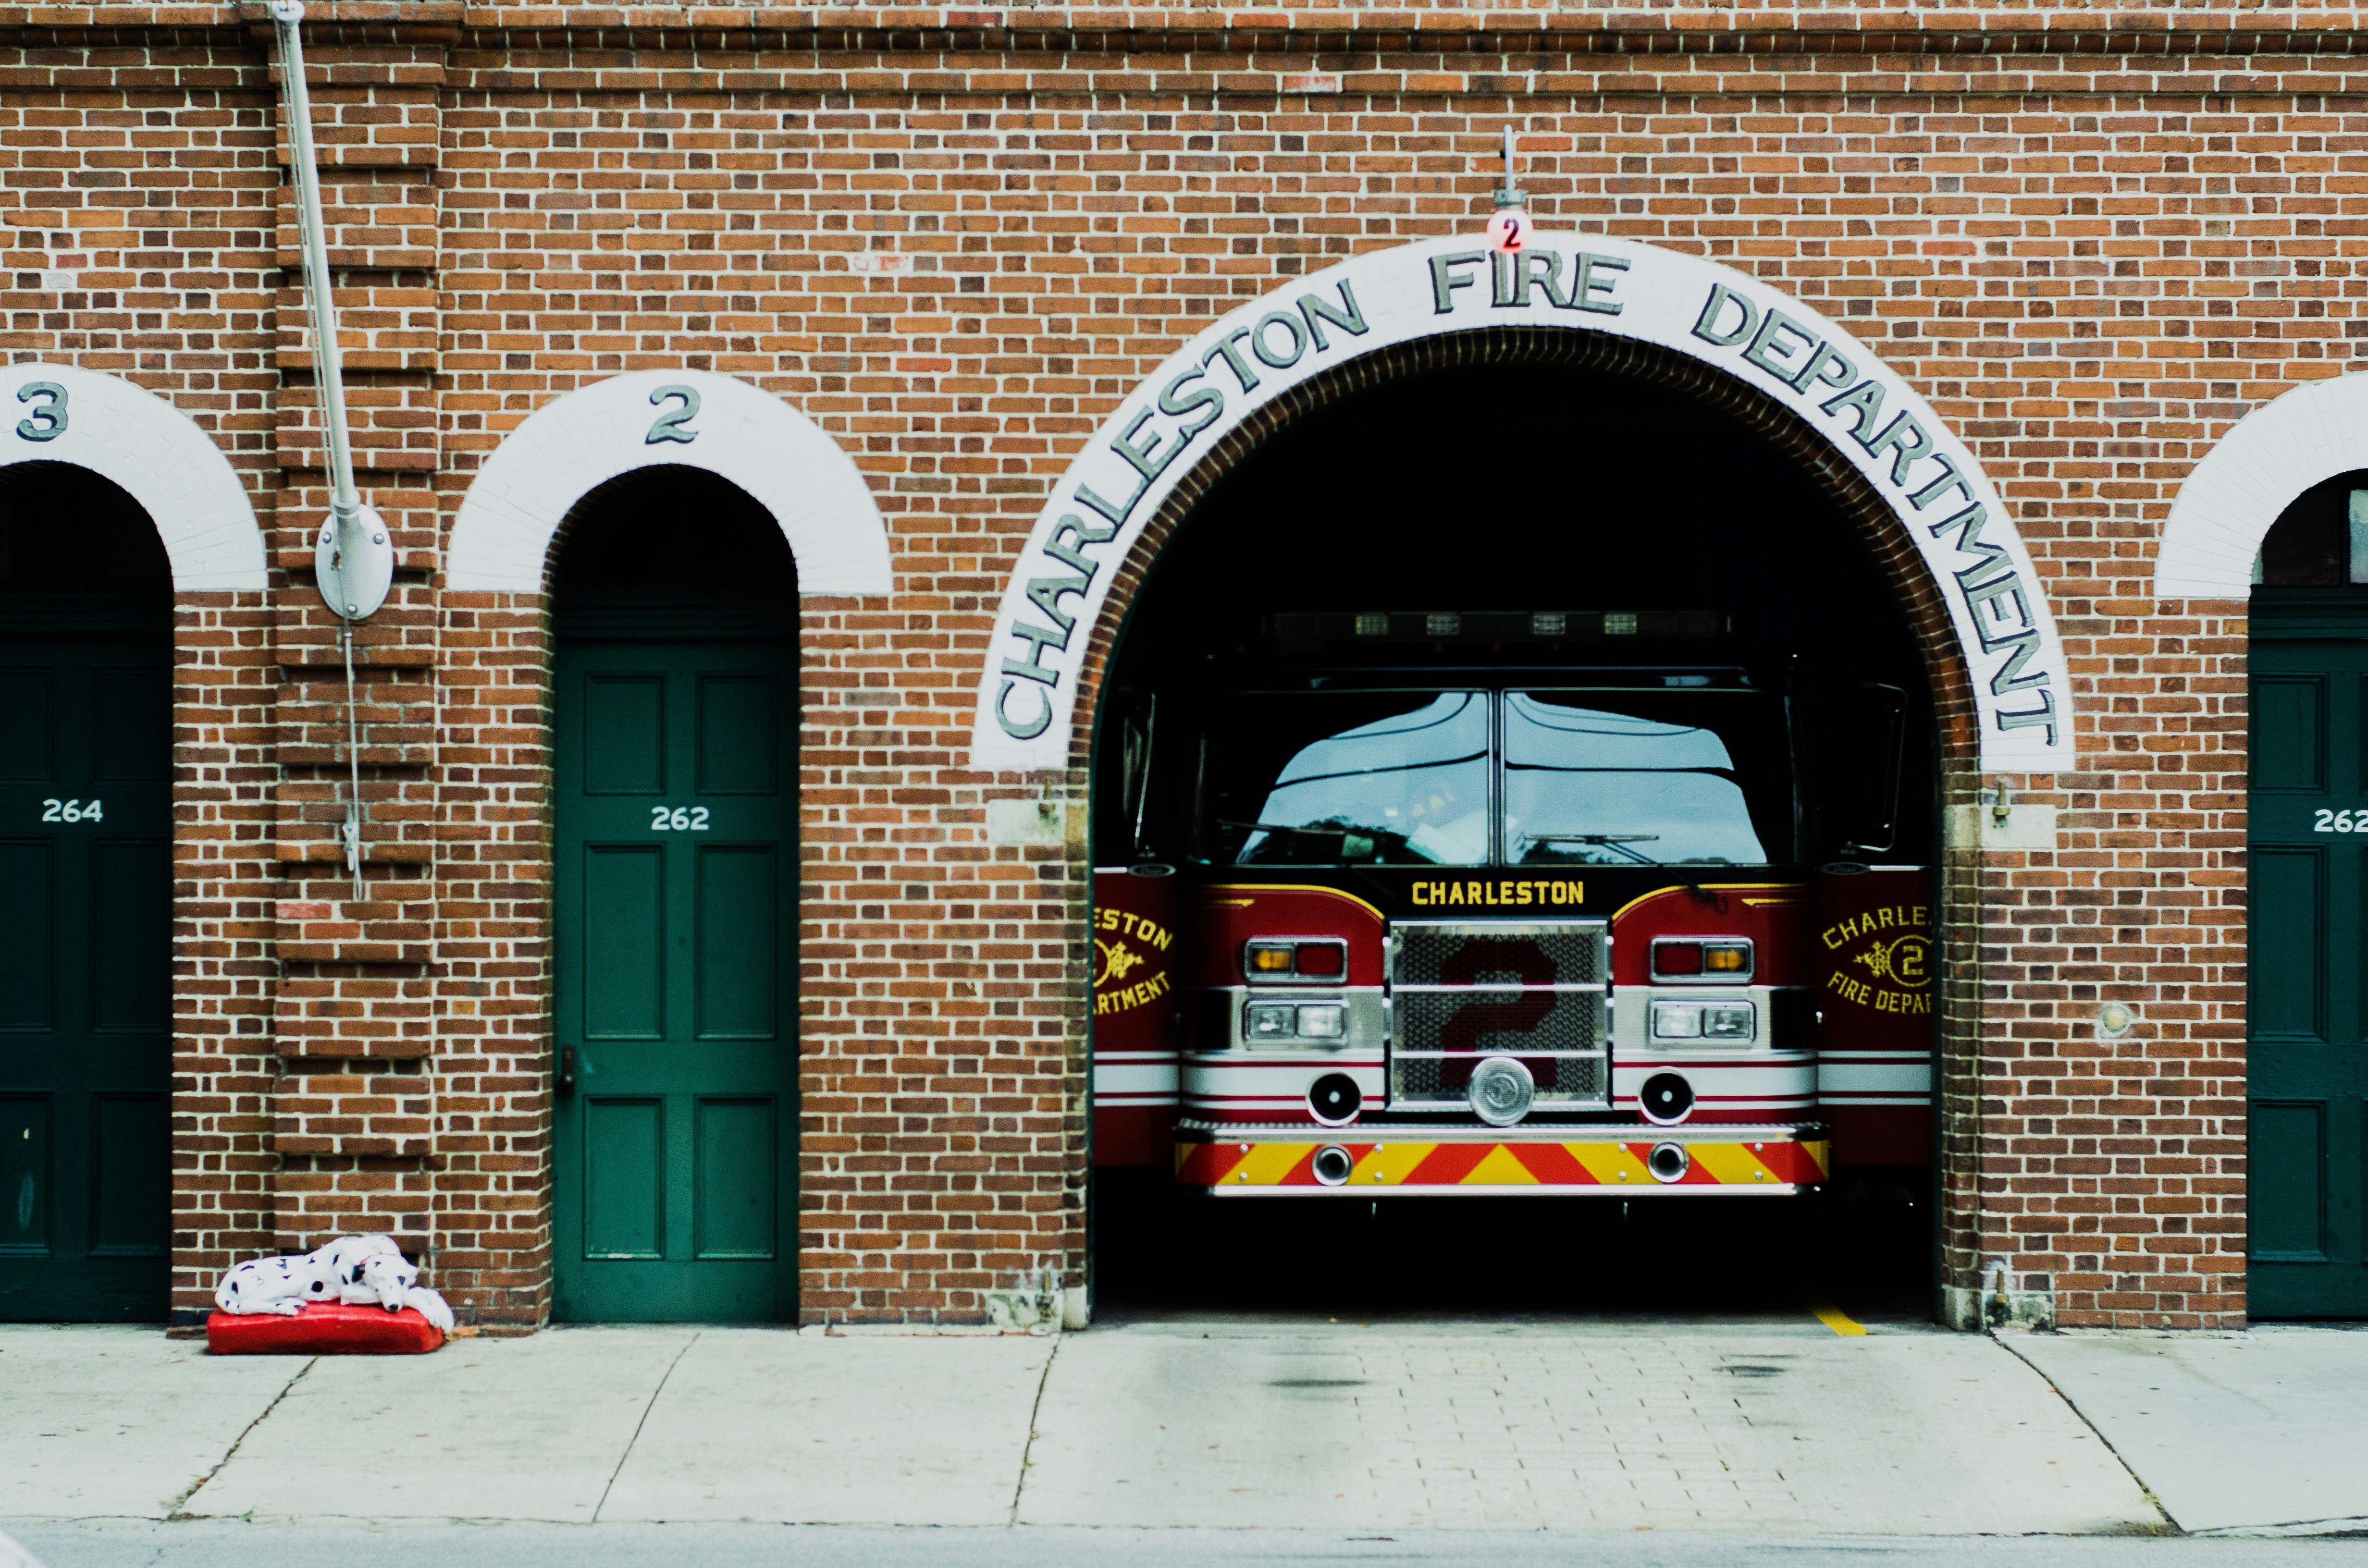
(1400, 928)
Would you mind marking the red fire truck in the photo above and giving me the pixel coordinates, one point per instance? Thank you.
(1503, 929)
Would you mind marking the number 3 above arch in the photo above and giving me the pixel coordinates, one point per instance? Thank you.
(672, 424)
(48, 420)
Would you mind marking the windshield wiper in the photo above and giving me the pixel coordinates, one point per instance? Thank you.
(1312, 829)
(1617, 842)
(1357, 844)
(1590, 837)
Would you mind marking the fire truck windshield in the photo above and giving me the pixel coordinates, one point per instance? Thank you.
(1611, 779)
(1386, 778)
(1606, 777)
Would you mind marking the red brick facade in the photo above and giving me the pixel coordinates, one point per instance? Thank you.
(2093, 241)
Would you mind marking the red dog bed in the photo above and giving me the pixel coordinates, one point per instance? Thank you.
(323, 1328)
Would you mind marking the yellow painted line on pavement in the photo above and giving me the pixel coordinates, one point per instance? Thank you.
(1833, 1318)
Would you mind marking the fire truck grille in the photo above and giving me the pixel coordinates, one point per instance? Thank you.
(1530, 952)
(1532, 990)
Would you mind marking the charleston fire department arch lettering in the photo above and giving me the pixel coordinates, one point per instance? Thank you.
(692, 418)
(1026, 690)
(60, 414)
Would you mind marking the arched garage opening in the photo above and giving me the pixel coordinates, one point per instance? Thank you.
(1992, 673)
(1693, 677)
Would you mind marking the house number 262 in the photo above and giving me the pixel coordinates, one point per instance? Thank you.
(2331, 821)
(677, 819)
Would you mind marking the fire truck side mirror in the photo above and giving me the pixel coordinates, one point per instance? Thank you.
(1853, 739)
(1124, 809)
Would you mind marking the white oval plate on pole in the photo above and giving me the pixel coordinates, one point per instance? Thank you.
(356, 573)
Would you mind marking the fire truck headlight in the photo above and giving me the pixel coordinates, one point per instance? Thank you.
(1323, 1021)
(1728, 1020)
(1676, 1020)
(1270, 1020)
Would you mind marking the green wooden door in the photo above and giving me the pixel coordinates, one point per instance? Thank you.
(2309, 995)
(85, 988)
(676, 924)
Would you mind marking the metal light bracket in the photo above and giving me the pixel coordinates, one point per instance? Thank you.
(355, 557)
(353, 565)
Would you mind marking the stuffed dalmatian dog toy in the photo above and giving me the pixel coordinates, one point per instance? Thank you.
(357, 1270)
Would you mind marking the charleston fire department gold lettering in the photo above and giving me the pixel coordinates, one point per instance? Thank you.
(1133, 944)
(1503, 894)
(1892, 948)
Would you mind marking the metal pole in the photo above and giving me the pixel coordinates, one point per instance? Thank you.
(353, 828)
(1508, 194)
(355, 557)
(345, 502)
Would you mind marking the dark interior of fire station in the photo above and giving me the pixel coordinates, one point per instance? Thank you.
(1520, 488)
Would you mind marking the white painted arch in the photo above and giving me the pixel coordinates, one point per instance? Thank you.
(2226, 508)
(1027, 683)
(62, 414)
(582, 441)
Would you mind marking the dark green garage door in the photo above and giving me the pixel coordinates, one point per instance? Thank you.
(86, 889)
(676, 889)
(2309, 967)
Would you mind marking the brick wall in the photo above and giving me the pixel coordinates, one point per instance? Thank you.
(2093, 242)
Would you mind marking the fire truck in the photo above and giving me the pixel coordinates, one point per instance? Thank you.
(1428, 926)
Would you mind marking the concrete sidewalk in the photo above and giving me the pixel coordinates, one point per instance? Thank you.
(1767, 1425)
(2261, 1430)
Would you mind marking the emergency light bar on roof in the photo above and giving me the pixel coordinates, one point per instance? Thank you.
(1491, 625)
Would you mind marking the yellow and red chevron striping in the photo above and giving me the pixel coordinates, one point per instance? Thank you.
(1506, 1164)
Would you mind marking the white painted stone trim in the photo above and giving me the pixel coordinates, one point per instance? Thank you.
(1028, 684)
(155, 452)
(590, 437)
(2226, 506)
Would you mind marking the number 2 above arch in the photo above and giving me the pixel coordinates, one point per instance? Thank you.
(48, 420)
(674, 423)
